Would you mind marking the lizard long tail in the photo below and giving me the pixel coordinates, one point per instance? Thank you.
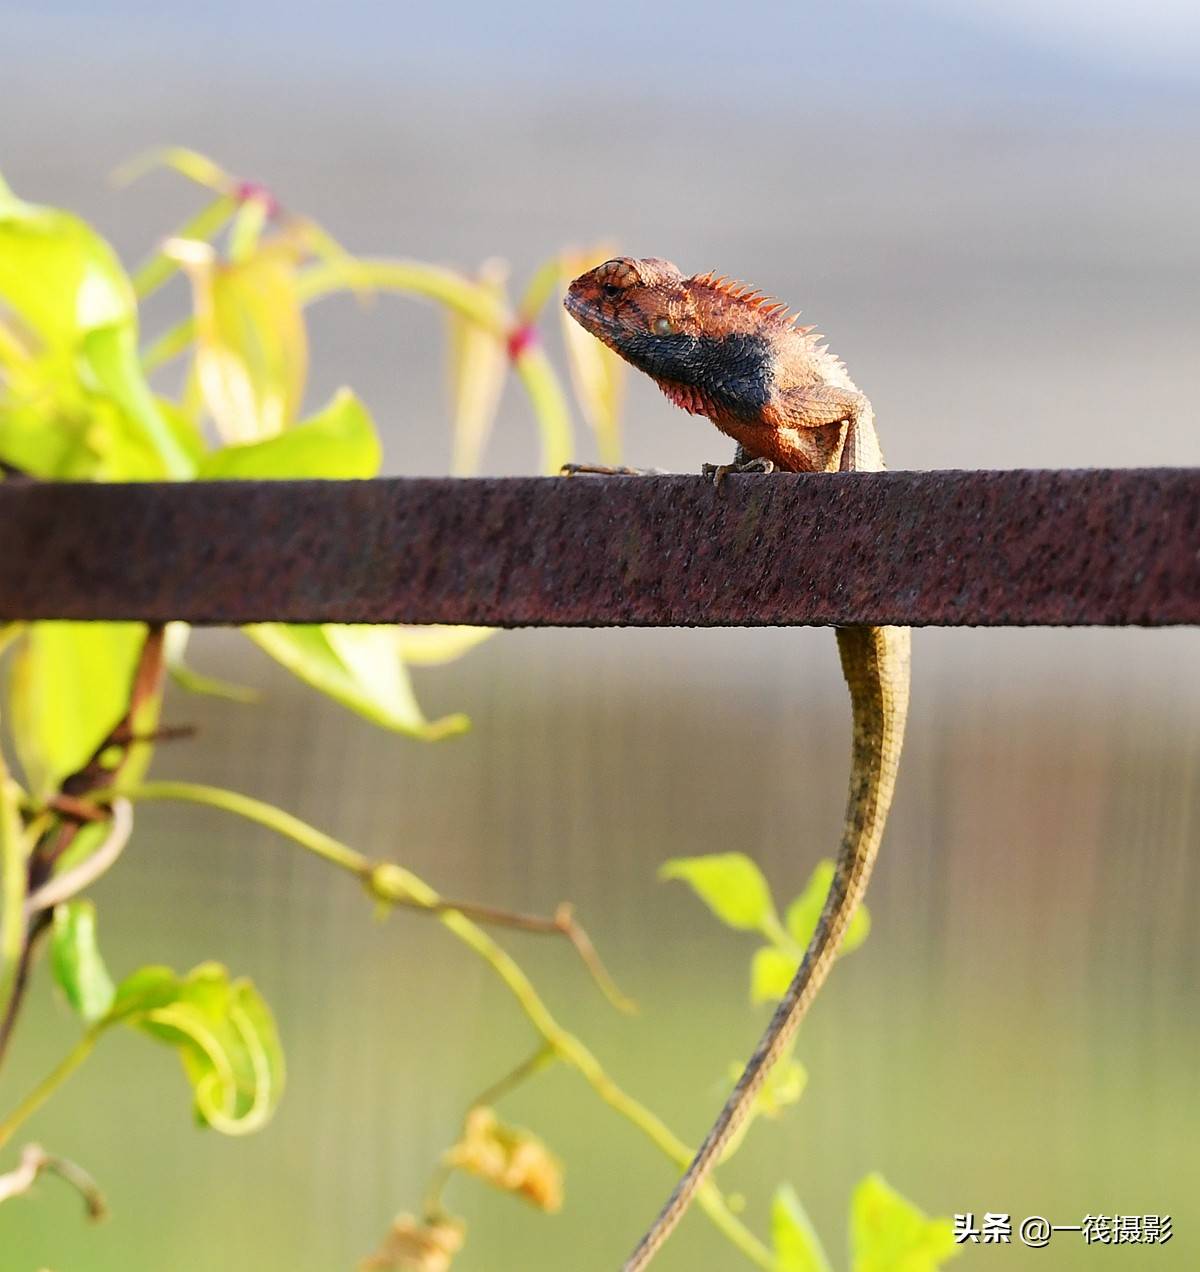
(875, 662)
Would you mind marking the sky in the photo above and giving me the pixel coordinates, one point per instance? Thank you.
(768, 51)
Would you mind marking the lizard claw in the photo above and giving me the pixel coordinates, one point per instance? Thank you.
(716, 473)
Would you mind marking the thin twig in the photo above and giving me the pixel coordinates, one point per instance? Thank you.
(123, 735)
(543, 1056)
(564, 923)
(36, 1161)
(535, 1063)
(49, 848)
(76, 809)
(62, 887)
(393, 884)
(21, 981)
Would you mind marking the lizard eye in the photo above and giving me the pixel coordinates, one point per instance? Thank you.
(611, 289)
(663, 327)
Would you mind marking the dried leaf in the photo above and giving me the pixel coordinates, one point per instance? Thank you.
(416, 1247)
(512, 1159)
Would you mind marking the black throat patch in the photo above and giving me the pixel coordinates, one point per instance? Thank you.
(734, 372)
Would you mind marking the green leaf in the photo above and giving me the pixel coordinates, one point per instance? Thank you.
(340, 442)
(69, 687)
(597, 373)
(110, 355)
(187, 678)
(434, 646)
(251, 343)
(204, 226)
(59, 275)
(75, 959)
(245, 233)
(359, 667)
(889, 1234)
(771, 972)
(783, 1087)
(67, 288)
(798, 1248)
(474, 301)
(730, 884)
(478, 369)
(224, 1034)
(192, 164)
(14, 874)
(805, 910)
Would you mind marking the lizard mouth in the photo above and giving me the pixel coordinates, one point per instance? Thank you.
(576, 305)
(601, 325)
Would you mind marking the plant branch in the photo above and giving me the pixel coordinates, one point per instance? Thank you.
(531, 1065)
(535, 1063)
(61, 887)
(140, 717)
(36, 1161)
(393, 884)
(563, 923)
(14, 873)
(474, 302)
(50, 1083)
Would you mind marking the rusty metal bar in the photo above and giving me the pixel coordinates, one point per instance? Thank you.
(949, 548)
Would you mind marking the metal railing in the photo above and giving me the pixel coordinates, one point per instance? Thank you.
(1024, 547)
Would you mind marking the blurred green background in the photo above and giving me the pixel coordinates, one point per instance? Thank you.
(993, 215)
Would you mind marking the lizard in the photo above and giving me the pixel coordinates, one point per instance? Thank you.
(720, 349)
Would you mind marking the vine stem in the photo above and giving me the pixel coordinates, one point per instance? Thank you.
(48, 1085)
(13, 868)
(394, 885)
(475, 303)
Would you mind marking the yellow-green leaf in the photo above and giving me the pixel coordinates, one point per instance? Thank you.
(478, 367)
(730, 884)
(597, 374)
(59, 275)
(357, 666)
(805, 910)
(340, 442)
(771, 972)
(79, 405)
(69, 687)
(75, 959)
(246, 229)
(434, 646)
(251, 344)
(109, 356)
(224, 1034)
(14, 874)
(203, 227)
(187, 678)
(782, 1087)
(889, 1234)
(797, 1246)
(188, 163)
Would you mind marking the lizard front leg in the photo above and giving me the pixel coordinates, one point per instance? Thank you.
(743, 462)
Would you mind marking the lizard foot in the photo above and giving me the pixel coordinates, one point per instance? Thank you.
(608, 470)
(716, 473)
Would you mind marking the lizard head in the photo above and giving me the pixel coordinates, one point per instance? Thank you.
(636, 307)
(703, 341)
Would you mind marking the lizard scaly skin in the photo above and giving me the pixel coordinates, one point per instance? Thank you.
(718, 349)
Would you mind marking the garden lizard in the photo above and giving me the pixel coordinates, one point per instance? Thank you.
(719, 349)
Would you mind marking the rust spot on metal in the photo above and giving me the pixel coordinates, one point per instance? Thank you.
(1107, 547)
